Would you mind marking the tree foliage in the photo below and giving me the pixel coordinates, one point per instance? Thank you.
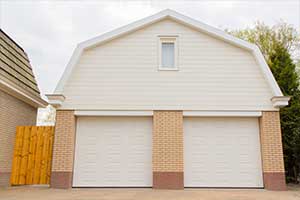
(280, 44)
(46, 116)
(266, 37)
(285, 73)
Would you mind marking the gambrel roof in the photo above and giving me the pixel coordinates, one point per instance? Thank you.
(188, 22)
(16, 75)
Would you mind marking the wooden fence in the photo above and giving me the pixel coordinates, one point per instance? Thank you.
(32, 155)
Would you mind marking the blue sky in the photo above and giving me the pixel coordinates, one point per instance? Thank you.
(50, 30)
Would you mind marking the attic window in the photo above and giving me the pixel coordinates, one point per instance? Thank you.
(168, 53)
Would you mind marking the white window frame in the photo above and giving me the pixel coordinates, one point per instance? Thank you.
(168, 39)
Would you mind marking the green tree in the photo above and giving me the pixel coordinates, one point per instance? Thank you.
(265, 37)
(284, 71)
(279, 44)
(298, 67)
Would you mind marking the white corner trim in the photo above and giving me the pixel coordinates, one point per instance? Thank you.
(55, 100)
(267, 72)
(182, 19)
(222, 113)
(68, 70)
(34, 101)
(280, 101)
(112, 113)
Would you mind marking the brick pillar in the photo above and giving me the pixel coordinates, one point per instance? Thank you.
(167, 150)
(271, 149)
(63, 150)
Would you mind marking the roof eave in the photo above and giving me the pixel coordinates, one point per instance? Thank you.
(22, 95)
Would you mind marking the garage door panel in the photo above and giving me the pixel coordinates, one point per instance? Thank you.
(113, 152)
(222, 152)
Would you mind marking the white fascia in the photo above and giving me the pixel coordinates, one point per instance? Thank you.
(113, 113)
(222, 113)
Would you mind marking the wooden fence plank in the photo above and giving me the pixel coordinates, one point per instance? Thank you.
(35, 140)
(50, 153)
(29, 159)
(16, 158)
(14, 161)
(44, 156)
(39, 148)
(24, 157)
(48, 176)
(47, 155)
(31, 156)
(19, 154)
(34, 152)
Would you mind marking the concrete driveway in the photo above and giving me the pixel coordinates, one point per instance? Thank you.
(42, 193)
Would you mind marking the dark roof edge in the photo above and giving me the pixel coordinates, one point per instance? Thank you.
(1, 30)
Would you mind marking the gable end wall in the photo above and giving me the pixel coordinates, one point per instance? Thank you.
(213, 75)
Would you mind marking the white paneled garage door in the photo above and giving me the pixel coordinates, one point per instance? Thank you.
(113, 152)
(222, 152)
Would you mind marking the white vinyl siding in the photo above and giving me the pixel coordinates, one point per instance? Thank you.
(123, 74)
(222, 152)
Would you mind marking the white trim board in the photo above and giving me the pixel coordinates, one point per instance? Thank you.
(181, 19)
(112, 113)
(222, 113)
(185, 113)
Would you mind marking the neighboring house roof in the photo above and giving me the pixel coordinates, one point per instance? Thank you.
(16, 75)
(181, 19)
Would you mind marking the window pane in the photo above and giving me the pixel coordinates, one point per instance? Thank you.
(168, 55)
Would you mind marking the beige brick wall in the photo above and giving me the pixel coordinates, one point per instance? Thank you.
(271, 144)
(64, 141)
(14, 112)
(167, 141)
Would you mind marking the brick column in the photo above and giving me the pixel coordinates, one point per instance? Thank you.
(271, 149)
(167, 150)
(63, 150)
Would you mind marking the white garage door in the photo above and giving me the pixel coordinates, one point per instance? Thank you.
(113, 152)
(222, 152)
